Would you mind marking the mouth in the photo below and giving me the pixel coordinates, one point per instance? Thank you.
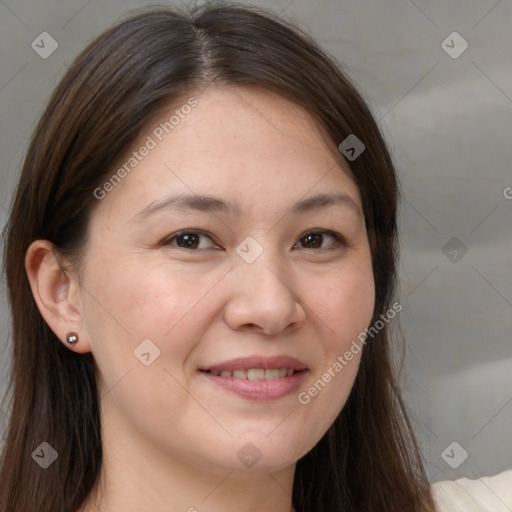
(256, 373)
(258, 378)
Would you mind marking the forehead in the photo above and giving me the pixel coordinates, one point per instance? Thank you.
(242, 143)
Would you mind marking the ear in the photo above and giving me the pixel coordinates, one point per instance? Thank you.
(56, 292)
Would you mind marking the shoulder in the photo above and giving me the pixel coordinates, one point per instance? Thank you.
(485, 494)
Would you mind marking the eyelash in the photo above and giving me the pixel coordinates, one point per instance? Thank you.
(339, 239)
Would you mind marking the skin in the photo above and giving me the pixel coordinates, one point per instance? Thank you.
(171, 436)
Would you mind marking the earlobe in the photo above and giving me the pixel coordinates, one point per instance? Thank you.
(54, 290)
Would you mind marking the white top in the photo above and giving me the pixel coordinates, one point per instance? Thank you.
(486, 494)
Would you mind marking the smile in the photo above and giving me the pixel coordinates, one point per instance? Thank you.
(256, 373)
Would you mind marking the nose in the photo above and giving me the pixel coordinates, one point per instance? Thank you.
(262, 298)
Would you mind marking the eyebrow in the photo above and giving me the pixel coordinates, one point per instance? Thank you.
(211, 204)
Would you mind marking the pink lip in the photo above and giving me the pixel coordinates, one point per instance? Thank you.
(265, 363)
(258, 389)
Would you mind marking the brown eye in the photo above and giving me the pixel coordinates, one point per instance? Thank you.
(192, 240)
(188, 241)
(315, 239)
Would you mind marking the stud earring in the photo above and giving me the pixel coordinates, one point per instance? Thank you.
(72, 338)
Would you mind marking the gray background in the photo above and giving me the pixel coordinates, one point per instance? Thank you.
(448, 122)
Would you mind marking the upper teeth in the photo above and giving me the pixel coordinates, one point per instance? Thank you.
(256, 373)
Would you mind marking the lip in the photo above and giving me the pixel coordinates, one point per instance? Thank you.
(261, 390)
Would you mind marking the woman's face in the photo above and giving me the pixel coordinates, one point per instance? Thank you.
(268, 274)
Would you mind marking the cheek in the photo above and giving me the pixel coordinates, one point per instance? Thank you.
(140, 297)
(355, 307)
(343, 312)
(130, 302)
(345, 305)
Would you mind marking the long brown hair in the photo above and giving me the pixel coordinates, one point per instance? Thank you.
(368, 460)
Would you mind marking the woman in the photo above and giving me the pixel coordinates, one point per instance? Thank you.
(201, 260)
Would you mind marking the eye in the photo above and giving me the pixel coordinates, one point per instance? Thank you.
(189, 240)
(193, 240)
(315, 239)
